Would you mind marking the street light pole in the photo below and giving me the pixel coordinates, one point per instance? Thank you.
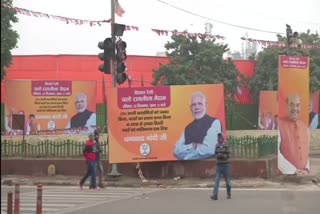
(113, 36)
(114, 167)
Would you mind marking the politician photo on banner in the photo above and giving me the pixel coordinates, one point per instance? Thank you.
(294, 107)
(199, 137)
(84, 119)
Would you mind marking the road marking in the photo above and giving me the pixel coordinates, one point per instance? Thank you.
(60, 200)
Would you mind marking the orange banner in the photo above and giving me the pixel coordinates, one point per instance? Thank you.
(268, 110)
(314, 111)
(51, 107)
(164, 123)
(293, 98)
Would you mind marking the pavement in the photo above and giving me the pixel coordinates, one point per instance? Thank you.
(293, 181)
(281, 181)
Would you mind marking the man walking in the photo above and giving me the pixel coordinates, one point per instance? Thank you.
(98, 161)
(222, 168)
(90, 157)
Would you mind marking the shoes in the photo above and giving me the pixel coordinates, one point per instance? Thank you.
(214, 197)
(81, 187)
(229, 196)
(96, 189)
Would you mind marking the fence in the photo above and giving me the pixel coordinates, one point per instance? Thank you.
(253, 147)
(247, 147)
(47, 149)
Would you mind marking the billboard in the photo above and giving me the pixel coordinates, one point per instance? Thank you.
(50, 107)
(293, 102)
(268, 110)
(164, 123)
(314, 110)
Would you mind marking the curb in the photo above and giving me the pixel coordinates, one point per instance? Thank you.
(286, 181)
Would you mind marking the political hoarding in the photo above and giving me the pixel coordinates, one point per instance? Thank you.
(165, 122)
(268, 110)
(293, 102)
(50, 106)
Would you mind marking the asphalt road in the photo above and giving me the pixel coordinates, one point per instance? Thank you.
(61, 200)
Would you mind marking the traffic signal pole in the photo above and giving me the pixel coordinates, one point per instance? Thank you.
(114, 167)
(113, 36)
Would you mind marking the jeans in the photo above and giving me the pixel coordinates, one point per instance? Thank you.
(222, 169)
(101, 172)
(91, 171)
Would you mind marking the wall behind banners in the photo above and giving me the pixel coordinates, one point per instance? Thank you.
(32, 97)
(85, 67)
(160, 126)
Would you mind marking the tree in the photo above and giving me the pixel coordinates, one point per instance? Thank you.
(9, 37)
(266, 69)
(197, 61)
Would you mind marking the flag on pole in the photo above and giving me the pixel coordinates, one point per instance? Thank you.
(118, 9)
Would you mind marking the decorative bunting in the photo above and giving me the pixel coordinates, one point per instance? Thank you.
(176, 33)
(281, 44)
(67, 20)
(159, 32)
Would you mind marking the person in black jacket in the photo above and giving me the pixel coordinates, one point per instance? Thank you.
(222, 167)
(98, 160)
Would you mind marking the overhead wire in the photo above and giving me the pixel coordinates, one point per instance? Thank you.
(218, 21)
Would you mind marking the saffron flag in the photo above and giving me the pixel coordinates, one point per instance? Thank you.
(118, 9)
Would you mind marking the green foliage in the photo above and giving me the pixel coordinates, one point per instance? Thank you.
(9, 37)
(266, 69)
(197, 61)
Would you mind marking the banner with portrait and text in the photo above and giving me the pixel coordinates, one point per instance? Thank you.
(293, 101)
(50, 107)
(268, 110)
(146, 123)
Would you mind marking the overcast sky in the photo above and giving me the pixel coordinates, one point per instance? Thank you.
(49, 36)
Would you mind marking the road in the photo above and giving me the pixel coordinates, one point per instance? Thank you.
(63, 200)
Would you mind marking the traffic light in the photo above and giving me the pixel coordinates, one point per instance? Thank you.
(121, 61)
(108, 53)
(289, 34)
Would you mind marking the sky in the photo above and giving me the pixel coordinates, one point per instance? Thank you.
(41, 36)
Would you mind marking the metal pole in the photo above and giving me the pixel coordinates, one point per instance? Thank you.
(9, 203)
(17, 199)
(114, 167)
(113, 36)
(39, 199)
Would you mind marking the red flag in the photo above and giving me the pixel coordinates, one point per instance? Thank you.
(118, 9)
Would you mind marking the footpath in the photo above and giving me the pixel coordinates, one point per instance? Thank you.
(293, 181)
(283, 181)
